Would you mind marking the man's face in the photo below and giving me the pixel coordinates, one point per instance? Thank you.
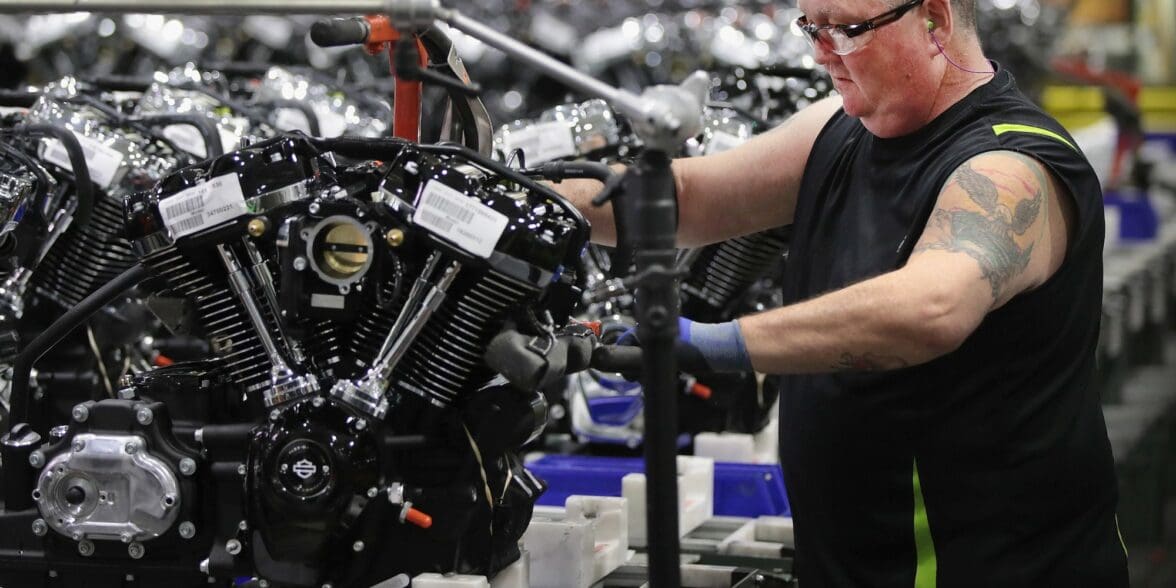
(886, 82)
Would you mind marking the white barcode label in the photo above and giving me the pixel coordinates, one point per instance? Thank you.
(542, 142)
(186, 137)
(199, 207)
(722, 141)
(291, 119)
(102, 162)
(465, 221)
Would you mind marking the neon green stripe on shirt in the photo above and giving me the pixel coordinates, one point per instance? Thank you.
(1013, 128)
(926, 566)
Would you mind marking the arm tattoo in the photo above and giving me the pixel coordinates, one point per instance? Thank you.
(869, 362)
(989, 235)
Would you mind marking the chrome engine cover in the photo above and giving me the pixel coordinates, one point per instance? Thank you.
(108, 487)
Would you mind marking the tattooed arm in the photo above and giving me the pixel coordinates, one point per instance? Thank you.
(999, 228)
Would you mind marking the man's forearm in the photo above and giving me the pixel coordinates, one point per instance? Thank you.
(878, 324)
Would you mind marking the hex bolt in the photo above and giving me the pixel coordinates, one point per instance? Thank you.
(136, 550)
(360, 424)
(372, 492)
(318, 402)
(187, 530)
(127, 537)
(37, 459)
(262, 583)
(131, 447)
(233, 546)
(86, 547)
(40, 529)
(144, 416)
(241, 470)
(187, 466)
(275, 414)
(80, 413)
(313, 208)
(300, 263)
(242, 525)
(78, 445)
(357, 546)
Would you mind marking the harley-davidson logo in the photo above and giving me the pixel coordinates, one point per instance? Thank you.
(305, 469)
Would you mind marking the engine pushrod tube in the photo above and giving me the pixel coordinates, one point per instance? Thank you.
(265, 283)
(429, 305)
(241, 7)
(241, 287)
(419, 287)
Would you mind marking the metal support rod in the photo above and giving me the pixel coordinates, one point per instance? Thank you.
(243, 7)
(626, 103)
(649, 205)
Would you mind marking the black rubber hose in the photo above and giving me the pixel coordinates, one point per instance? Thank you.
(73, 318)
(240, 107)
(119, 83)
(18, 98)
(77, 160)
(558, 171)
(204, 124)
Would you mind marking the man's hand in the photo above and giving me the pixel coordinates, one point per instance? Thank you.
(704, 347)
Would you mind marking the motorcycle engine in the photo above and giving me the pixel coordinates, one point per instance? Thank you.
(347, 309)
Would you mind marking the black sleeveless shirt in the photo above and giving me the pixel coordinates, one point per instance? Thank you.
(989, 466)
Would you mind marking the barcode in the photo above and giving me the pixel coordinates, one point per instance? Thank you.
(186, 206)
(187, 224)
(436, 221)
(453, 209)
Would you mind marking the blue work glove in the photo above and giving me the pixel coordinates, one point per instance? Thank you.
(705, 347)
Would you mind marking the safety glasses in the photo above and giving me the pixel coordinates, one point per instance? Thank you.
(845, 39)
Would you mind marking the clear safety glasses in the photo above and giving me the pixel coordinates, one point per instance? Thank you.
(844, 39)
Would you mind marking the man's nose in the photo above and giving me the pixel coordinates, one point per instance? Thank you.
(822, 55)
